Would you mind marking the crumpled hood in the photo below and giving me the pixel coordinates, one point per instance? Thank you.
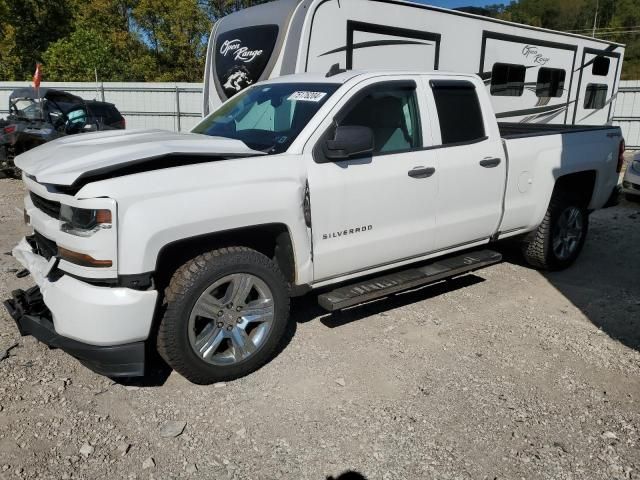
(66, 160)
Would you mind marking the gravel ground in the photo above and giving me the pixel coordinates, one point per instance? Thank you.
(504, 374)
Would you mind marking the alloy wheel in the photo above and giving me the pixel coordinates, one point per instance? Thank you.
(231, 319)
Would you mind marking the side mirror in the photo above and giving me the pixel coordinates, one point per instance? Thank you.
(349, 141)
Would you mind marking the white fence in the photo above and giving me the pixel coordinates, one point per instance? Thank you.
(627, 113)
(170, 106)
(178, 106)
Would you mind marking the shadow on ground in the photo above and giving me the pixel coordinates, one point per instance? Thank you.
(604, 283)
(349, 475)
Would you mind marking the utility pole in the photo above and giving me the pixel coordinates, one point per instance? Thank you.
(595, 19)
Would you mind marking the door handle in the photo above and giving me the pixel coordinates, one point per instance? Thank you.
(421, 172)
(490, 162)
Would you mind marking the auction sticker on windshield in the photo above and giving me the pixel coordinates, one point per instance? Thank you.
(303, 96)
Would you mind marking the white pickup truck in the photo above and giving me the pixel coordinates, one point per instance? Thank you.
(192, 244)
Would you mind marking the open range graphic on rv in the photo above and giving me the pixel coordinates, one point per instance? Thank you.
(531, 52)
(243, 55)
(238, 51)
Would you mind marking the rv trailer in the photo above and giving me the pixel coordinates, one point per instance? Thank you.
(533, 75)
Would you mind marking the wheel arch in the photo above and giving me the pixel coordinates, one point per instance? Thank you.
(579, 184)
(272, 240)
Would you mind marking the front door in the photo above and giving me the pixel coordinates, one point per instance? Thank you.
(380, 208)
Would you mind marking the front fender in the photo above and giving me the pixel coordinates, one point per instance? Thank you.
(161, 207)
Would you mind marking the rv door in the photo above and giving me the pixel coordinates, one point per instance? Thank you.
(596, 87)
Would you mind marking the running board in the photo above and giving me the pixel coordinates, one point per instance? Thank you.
(371, 289)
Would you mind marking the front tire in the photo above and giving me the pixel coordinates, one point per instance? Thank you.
(226, 314)
(559, 239)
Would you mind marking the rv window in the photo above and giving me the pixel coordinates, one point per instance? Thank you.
(507, 80)
(600, 66)
(459, 112)
(392, 114)
(550, 82)
(596, 96)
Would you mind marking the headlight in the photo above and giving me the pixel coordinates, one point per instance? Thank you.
(83, 222)
(635, 166)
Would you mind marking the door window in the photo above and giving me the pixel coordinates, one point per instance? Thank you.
(392, 114)
(596, 96)
(459, 112)
(600, 66)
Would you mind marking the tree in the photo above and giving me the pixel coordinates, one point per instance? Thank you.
(86, 51)
(125, 39)
(577, 16)
(176, 30)
(217, 9)
(105, 36)
(8, 61)
(29, 26)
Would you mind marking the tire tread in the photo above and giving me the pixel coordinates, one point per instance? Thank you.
(537, 248)
(181, 284)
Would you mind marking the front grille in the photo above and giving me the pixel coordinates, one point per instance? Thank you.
(43, 246)
(49, 207)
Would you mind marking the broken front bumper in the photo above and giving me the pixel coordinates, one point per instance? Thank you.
(104, 327)
(33, 318)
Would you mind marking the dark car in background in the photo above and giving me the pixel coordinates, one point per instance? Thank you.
(39, 116)
(104, 114)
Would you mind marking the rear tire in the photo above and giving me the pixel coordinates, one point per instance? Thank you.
(559, 239)
(226, 315)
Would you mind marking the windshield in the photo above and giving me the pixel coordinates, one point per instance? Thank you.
(25, 108)
(267, 117)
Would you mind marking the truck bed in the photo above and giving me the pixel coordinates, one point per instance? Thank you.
(522, 130)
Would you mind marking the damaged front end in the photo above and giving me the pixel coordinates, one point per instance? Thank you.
(32, 317)
(27, 303)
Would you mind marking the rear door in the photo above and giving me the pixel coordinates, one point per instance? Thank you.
(596, 87)
(472, 166)
(379, 208)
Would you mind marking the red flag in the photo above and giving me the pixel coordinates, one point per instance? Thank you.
(37, 76)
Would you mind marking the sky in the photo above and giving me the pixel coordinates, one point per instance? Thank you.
(460, 3)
